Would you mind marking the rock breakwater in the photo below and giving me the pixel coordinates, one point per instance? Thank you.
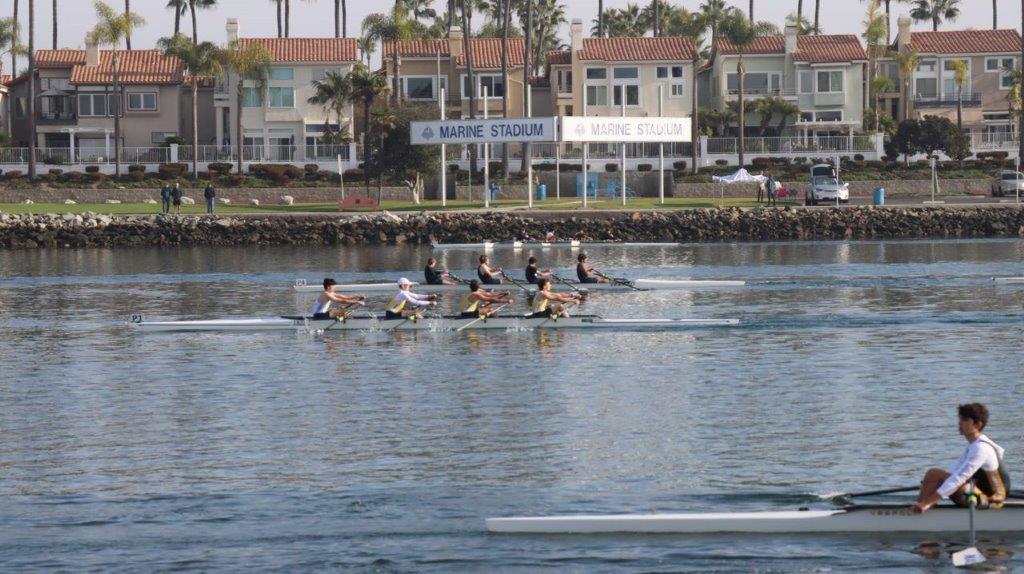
(93, 230)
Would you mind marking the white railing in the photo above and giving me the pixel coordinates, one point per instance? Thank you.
(206, 154)
(270, 153)
(327, 152)
(791, 145)
(994, 142)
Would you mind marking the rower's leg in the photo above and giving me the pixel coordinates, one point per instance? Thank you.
(933, 479)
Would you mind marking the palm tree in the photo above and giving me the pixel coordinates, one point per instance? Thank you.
(17, 38)
(874, 29)
(995, 14)
(600, 18)
(420, 9)
(31, 89)
(333, 94)
(386, 121)
(340, 19)
(880, 85)
(528, 33)
(750, 11)
(550, 15)
(771, 107)
(803, 25)
(247, 62)
(625, 23)
(907, 62)
(366, 88)
(714, 13)
(280, 19)
(128, 35)
(961, 75)
(54, 24)
(506, 24)
(110, 30)
(392, 29)
(740, 33)
(201, 61)
(936, 11)
(657, 15)
(201, 4)
(179, 7)
(1020, 119)
(367, 46)
(467, 36)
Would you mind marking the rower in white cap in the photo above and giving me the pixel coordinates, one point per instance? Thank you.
(405, 303)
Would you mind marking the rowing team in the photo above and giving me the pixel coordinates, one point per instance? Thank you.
(493, 275)
(476, 304)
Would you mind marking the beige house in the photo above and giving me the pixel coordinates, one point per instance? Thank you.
(427, 66)
(934, 91)
(75, 102)
(280, 124)
(822, 75)
(5, 102)
(610, 72)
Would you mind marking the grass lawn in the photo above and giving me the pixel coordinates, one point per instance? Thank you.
(550, 204)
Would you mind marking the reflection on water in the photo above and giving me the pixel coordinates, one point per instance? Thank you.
(380, 451)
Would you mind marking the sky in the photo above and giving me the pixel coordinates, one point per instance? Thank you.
(316, 18)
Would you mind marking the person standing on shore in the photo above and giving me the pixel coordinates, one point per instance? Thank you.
(165, 199)
(176, 198)
(210, 194)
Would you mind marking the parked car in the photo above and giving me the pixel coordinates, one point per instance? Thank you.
(826, 186)
(1008, 183)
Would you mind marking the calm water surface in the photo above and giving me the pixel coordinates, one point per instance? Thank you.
(375, 452)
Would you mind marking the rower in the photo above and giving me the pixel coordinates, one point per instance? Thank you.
(435, 276)
(981, 463)
(547, 303)
(489, 275)
(404, 304)
(322, 307)
(534, 272)
(477, 302)
(585, 273)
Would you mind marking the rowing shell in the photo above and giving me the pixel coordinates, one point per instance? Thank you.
(867, 518)
(1008, 279)
(427, 324)
(574, 244)
(637, 284)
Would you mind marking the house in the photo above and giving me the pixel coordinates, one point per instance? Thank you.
(610, 72)
(5, 126)
(823, 76)
(988, 54)
(280, 124)
(75, 103)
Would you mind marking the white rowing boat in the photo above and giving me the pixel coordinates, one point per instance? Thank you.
(572, 244)
(858, 518)
(1008, 279)
(365, 323)
(301, 286)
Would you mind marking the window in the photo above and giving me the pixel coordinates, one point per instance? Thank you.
(807, 116)
(494, 83)
(830, 82)
(597, 95)
(632, 94)
(676, 90)
(754, 83)
(926, 66)
(806, 82)
(676, 71)
(60, 84)
(996, 116)
(626, 73)
(161, 137)
(889, 70)
(142, 102)
(281, 97)
(836, 116)
(95, 105)
(597, 74)
(319, 74)
(926, 87)
(282, 74)
(252, 98)
(418, 88)
(999, 64)
(662, 72)
(565, 81)
(949, 87)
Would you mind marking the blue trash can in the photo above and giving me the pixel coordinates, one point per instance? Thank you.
(542, 192)
(879, 197)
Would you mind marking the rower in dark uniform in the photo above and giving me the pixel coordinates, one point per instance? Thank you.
(534, 273)
(489, 275)
(434, 276)
(587, 274)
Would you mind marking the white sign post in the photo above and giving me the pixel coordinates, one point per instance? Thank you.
(487, 161)
(341, 176)
(444, 160)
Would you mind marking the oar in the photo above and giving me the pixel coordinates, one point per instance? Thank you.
(844, 498)
(969, 556)
(457, 278)
(514, 282)
(482, 317)
(622, 282)
(582, 292)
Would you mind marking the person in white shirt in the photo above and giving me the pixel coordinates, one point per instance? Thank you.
(981, 463)
(405, 303)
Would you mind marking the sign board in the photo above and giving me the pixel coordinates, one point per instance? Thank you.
(482, 131)
(625, 130)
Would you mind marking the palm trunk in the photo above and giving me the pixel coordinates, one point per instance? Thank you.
(128, 34)
(337, 18)
(817, 17)
(238, 120)
(799, 11)
(367, 104)
(540, 48)
(177, 20)
(31, 89)
(600, 18)
(195, 30)
(528, 38)
(995, 14)
(751, 11)
(54, 27)
(935, 23)
(466, 41)
(888, 22)
(657, 18)
(695, 125)
(506, 17)
(280, 22)
(344, 19)
(740, 71)
(960, 107)
(1020, 119)
(287, 18)
(117, 114)
(17, 37)
(396, 95)
(195, 128)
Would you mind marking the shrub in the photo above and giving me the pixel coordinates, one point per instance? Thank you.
(611, 167)
(236, 179)
(172, 170)
(1000, 155)
(545, 167)
(721, 162)
(136, 175)
(324, 175)
(14, 174)
(858, 157)
(136, 167)
(311, 168)
(761, 163)
(452, 168)
(679, 165)
(357, 174)
(644, 167)
(92, 169)
(220, 168)
(96, 177)
(56, 172)
(799, 160)
(292, 171)
(74, 177)
(875, 164)
(257, 169)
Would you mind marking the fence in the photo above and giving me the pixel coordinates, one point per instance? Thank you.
(786, 146)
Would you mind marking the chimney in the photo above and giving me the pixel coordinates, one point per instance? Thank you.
(791, 35)
(92, 51)
(903, 36)
(576, 31)
(455, 42)
(232, 29)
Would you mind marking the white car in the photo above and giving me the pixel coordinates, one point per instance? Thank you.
(1009, 183)
(826, 187)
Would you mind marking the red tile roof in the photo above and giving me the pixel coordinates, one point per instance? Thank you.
(814, 49)
(638, 49)
(486, 51)
(136, 67)
(966, 42)
(59, 58)
(306, 49)
(556, 57)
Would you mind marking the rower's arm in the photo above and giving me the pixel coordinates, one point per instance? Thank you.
(963, 471)
(337, 298)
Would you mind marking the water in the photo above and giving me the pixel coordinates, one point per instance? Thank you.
(371, 452)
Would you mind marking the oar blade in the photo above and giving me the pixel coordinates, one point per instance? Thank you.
(968, 557)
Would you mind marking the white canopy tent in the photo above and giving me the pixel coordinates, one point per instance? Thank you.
(741, 176)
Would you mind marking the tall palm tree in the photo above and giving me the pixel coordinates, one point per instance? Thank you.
(874, 30)
(527, 40)
(907, 62)
(740, 33)
(600, 18)
(247, 62)
(280, 17)
(1020, 118)
(179, 7)
(888, 17)
(658, 15)
(714, 13)
(467, 36)
(334, 95)
(128, 35)
(817, 17)
(392, 29)
(421, 9)
(31, 89)
(995, 14)
(961, 75)
(17, 38)
(880, 85)
(54, 24)
(202, 5)
(201, 61)
(111, 29)
(626, 22)
(750, 11)
(936, 11)
(366, 88)
(506, 24)
(340, 19)
(550, 16)
(367, 46)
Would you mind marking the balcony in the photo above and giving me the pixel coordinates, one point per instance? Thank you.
(757, 93)
(970, 100)
(57, 118)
